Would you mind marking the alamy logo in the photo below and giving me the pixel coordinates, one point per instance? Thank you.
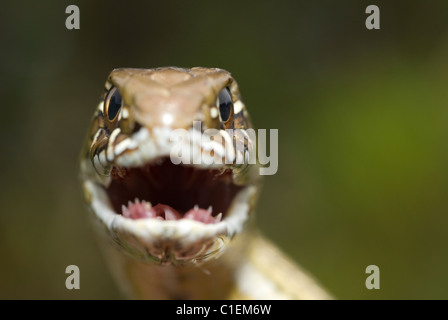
(230, 146)
(72, 281)
(373, 20)
(373, 280)
(72, 21)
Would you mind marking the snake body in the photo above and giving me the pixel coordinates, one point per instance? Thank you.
(182, 230)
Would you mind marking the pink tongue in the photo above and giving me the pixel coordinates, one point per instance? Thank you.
(141, 210)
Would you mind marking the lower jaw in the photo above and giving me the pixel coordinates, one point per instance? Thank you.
(175, 242)
(143, 209)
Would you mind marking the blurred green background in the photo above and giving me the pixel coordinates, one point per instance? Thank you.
(362, 118)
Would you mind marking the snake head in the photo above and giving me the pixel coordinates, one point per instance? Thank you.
(168, 170)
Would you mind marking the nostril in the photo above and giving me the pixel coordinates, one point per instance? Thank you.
(136, 128)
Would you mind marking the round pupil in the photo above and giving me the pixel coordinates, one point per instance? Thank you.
(114, 104)
(225, 104)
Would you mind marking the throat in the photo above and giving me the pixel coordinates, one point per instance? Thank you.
(166, 191)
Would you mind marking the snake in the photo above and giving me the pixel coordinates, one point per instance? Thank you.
(172, 205)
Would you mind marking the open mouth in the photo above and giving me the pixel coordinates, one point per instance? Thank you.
(165, 191)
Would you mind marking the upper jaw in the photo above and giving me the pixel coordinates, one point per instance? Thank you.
(146, 145)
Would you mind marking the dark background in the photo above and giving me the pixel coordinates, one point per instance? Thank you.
(362, 119)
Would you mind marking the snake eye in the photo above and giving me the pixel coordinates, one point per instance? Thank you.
(112, 104)
(225, 106)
